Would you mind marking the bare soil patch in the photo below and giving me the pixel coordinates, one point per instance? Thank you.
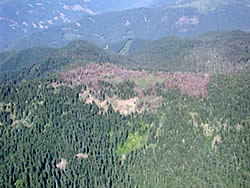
(62, 165)
(125, 107)
(82, 155)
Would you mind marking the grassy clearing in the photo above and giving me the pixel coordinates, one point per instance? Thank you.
(126, 47)
(76, 64)
(148, 81)
(134, 141)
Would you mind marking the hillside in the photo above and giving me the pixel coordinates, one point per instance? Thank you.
(61, 132)
(145, 23)
(212, 52)
(37, 62)
(160, 116)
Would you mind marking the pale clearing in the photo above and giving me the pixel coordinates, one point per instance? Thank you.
(82, 155)
(62, 165)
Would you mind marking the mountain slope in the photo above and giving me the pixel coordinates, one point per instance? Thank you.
(53, 133)
(38, 62)
(21, 17)
(206, 6)
(203, 6)
(164, 3)
(211, 52)
(144, 23)
(98, 124)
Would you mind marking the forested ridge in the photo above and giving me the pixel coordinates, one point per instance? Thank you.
(32, 63)
(84, 117)
(211, 52)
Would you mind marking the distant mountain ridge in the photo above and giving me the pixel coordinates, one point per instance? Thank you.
(22, 17)
(143, 23)
(162, 3)
(198, 4)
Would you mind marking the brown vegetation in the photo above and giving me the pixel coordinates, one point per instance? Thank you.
(145, 85)
(189, 83)
(93, 72)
